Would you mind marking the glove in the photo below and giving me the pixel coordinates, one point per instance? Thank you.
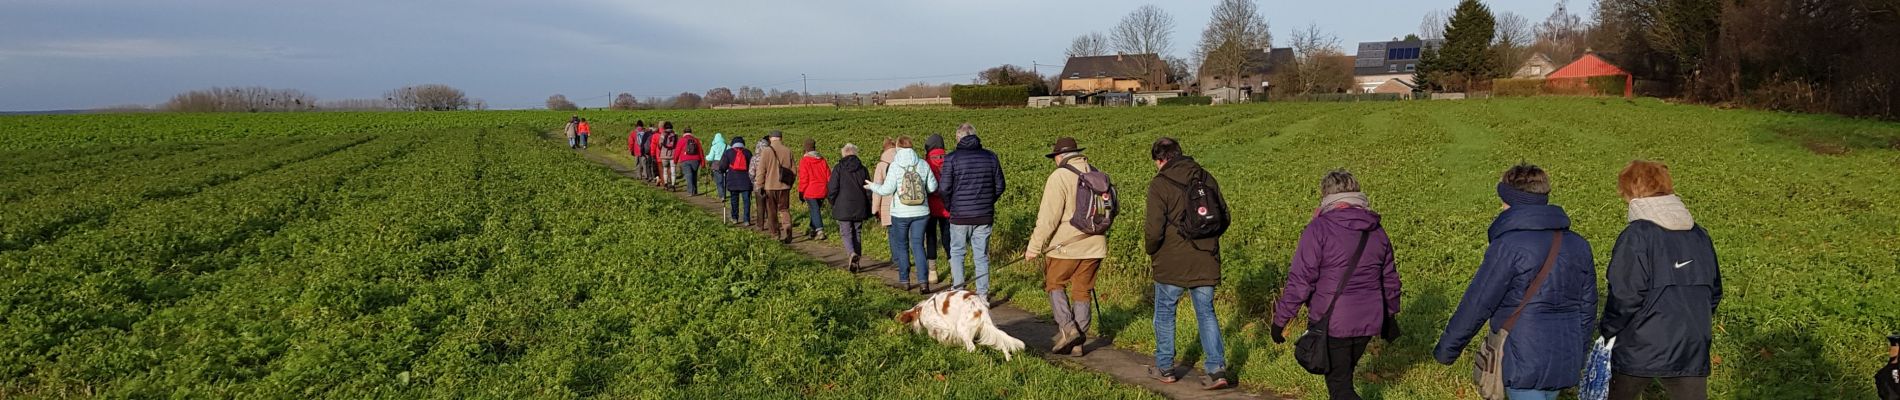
(1279, 338)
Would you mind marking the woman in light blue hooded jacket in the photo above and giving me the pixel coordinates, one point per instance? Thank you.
(713, 154)
(907, 221)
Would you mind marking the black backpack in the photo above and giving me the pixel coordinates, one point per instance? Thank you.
(1205, 211)
(671, 141)
(692, 146)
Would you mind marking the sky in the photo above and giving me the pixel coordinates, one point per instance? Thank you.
(77, 54)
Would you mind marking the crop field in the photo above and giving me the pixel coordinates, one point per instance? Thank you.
(462, 255)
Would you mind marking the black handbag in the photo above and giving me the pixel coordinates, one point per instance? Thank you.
(1310, 349)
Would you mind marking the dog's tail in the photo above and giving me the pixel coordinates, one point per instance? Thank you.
(997, 339)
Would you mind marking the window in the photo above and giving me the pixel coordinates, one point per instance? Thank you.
(1537, 70)
(1411, 67)
(1392, 68)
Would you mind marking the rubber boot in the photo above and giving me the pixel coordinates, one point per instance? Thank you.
(1081, 313)
(1061, 310)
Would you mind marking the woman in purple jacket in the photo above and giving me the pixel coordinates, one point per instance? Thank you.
(1372, 292)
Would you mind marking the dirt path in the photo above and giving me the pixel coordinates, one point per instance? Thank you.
(1126, 366)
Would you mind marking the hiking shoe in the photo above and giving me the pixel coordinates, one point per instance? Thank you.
(1163, 376)
(1065, 339)
(924, 288)
(1216, 381)
(854, 263)
(907, 286)
(1081, 343)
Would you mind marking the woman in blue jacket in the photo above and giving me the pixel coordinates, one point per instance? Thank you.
(1664, 286)
(1549, 340)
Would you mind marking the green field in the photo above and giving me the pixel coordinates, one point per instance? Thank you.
(461, 255)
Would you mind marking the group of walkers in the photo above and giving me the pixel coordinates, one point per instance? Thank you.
(666, 158)
(1536, 287)
(577, 131)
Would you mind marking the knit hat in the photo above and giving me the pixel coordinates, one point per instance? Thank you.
(1514, 197)
(935, 141)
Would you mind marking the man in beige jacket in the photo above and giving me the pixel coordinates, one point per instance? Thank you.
(775, 161)
(1073, 256)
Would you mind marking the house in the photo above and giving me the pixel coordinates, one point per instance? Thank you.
(1378, 62)
(1577, 73)
(1536, 67)
(1224, 95)
(1393, 86)
(1116, 73)
(1154, 98)
(1261, 65)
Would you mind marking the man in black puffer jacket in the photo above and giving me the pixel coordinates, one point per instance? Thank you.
(971, 182)
(850, 204)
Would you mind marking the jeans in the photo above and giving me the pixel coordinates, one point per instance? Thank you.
(691, 171)
(583, 141)
(574, 141)
(1679, 388)
(907, 248)
(1342, 355)
(1166, 298)
(718, 176)
(975, 241)
(816, 214)
(1528, 394)
(936, 236)
(671, 172)
(849, 233)
(733, 208)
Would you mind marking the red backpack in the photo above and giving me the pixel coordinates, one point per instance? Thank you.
(737, 162)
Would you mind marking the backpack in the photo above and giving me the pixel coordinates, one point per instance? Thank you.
(692, 147)
(671, 140)
(1205, 212)
(737, 162)
(911, 191)
(1096, 203)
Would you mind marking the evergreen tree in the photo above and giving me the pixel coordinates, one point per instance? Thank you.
(1467, 54)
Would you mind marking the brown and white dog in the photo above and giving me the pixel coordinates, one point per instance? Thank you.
(959, 317)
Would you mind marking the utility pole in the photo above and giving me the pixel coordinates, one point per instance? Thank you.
(807, 91)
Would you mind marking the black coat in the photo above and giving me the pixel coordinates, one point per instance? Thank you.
(849, 201)
(1664, 287)
(971, 182)
(735, 181)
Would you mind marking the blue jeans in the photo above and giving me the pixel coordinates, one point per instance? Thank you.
(718, 176)
(817, 213)
(691, 171)
(907, 245)
(974, 239)
(1527, 394)
(733, 208)
(583, 140)
(1166, 298)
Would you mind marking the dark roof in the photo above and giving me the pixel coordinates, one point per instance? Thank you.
(1264, 62)
(1382, 58)
(1113, 66)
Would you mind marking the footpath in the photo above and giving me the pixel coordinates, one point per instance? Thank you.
(1037, 335)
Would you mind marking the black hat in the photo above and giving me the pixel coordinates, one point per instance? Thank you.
(1064, 144)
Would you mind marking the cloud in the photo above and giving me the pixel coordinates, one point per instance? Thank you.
(144, 48)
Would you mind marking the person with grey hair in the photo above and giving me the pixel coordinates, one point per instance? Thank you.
(850, 206)
(965, 130)
(1343, 262)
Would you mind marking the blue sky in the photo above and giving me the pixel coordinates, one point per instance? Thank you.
(66, 54)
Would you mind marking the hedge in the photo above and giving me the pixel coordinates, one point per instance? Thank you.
(1517, 87)
(1185, 101)
(1342, 97)
(1610, 85)
(989, 96)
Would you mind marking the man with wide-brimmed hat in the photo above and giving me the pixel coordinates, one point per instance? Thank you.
(1074, 256)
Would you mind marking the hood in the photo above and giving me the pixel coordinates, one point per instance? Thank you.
(889, 154)
(1181, 170)
(1666, 211)
(935, 141)
(905, 157)
(1529, 218)
(814, 154)
(849, 163)
(1356, 219)
(719, 140)
(969, 143)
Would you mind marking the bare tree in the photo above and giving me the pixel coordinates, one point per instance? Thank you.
(559, 102)
(1235, 29)
(1562, 36)
(354, 105)
(624, 101)
(1432, 26)
(1092, 44)
(1314, 51)
(921, 90)
(687, 100)
(1513, 39)
(429, 97)
(1147, 30)
(241, 99)
(1179, 71)
(719, 96)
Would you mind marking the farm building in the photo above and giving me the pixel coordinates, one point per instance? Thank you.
(1589, 66)
(1537, 66)
(1261, 64)
(1393, 86)
(1116, 73)
(1378, 62)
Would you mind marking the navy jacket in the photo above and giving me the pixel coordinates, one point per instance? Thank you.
(971, 182)
(735, 181)
(1664, 286)
(1548, 346)
(850, 202)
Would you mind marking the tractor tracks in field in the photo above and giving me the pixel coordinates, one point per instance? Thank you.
(1126, 366)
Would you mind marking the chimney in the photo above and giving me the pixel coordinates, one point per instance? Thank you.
(1118, 56)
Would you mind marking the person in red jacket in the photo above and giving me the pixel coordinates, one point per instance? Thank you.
(633, 145)
(660, 177)
(813, 174)
(690, 155)
(584, 130)
(937, 225)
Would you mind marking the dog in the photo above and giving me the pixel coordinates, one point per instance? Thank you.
(959, 317)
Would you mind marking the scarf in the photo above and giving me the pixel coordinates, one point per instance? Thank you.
(1515, 197)
(1666, 211)
(1342, 200)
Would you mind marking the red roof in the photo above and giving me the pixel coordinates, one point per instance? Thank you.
(1587, 66)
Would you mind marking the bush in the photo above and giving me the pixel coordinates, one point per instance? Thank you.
(1186, 101)
(1343, 97)
(1517, 87)
(980, 96)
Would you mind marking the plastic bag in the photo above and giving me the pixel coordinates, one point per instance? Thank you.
(1595, 384)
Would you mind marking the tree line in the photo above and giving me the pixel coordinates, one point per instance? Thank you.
(429, 97)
